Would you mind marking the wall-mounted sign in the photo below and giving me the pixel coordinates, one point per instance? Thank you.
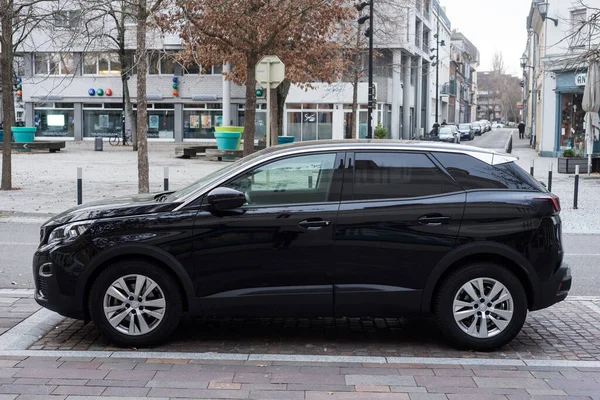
(580, 79)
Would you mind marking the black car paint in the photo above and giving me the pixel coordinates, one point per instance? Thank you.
(242, 262)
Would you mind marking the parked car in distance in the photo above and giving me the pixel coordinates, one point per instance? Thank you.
(466, 132)
(497, 125)
(486, 126)
(477, 128)
(345, 228)
(449, 133)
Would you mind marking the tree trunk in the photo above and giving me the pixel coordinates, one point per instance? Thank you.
(250, 112)
(282, 91)
(142, 131)
(129, 113)
(274, 116)
(6, 57)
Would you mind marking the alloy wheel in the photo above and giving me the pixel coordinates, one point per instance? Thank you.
(483, 307)
(134, 305)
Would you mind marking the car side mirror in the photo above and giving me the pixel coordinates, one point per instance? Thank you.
(223, 199)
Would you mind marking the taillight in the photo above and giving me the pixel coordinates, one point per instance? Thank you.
(554, 200)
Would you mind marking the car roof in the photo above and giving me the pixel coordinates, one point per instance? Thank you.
(487, 155)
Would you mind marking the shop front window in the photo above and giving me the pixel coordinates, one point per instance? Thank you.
(102, 122)
(260, 120)
(54, 122)
(200, 123)
(572, 125)
(310, 124)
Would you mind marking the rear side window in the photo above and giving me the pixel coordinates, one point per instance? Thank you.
(471, 173)
(381, 175)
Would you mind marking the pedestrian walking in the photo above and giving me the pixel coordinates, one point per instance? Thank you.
(521, 130)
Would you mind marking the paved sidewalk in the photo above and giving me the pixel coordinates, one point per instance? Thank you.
(101, 378)
(567, 331)
(15, 306)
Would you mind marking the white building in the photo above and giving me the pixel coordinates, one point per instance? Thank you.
(555, 73)
(72, 87)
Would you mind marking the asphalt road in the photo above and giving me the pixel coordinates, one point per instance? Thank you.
(19, 241)
(496, 139)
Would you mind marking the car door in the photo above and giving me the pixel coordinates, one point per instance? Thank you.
(272, 255)
(400, 214)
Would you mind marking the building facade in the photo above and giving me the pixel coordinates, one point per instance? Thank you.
(71, 87)
(555, 74)
(462, 87)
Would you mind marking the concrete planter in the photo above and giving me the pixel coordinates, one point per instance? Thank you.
(566, 165)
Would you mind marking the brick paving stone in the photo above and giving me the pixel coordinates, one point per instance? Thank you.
(179, 385)
(355, 396)
(61, 373)
(27, 389)
(427, 396)
(307, 378)
(575, 384)
(476, 397)
(546, 392)
(68, 382)
(276, 395)
(113, 383)
(453, 372)
(126, 391)
(79, 390)
(511, 383)
(499, 373)
(371, 371)
(130, 375)
(265, 386)
(225, 386)
(319, 387)
(378, 380)
(456, 381)
(194, 376)
(378, 389)
(198, 393)
(30, 381)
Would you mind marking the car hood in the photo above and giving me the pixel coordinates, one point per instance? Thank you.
(465, 130)
(111, 208)
(442, 135)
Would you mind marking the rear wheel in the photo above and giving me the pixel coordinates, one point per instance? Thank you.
(135, 304)
(481, 307)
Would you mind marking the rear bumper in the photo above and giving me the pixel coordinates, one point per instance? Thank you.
(556, 289)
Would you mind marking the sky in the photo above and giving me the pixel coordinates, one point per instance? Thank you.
(492, 25)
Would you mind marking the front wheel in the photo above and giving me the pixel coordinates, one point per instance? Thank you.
(481, 307)
(135, 304)
(114, 140)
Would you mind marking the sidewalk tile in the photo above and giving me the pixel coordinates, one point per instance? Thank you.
(498, 373)
(79, 390)
(224, 386)
(355, 396)
(476, 397)
(81, 364)
(511, 383)
(546, 392)
(61, 373)
(408, 389)
(68, 382)
(131, 375)
(307, 378)
(265, 386)
(126, 391)
(199, 393)
(176, 384)
(380, 380)
(30, 381)
(378, 389)
(252, 377)
(114, 383)
(453, 372)
(276, 395)
(444, 381)
(371, 371)
(27, 389)
(427, 396)
(319, 387)
(320, 370)
(575, 384)
(193, 377)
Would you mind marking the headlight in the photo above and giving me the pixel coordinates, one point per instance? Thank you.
(68, 233)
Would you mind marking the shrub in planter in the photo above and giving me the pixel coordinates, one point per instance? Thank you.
(569, 153)
(380, 132)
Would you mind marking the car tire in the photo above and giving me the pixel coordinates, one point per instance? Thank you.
(157, 310)
(460, 317)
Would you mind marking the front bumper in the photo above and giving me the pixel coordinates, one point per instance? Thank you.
(54, 289)
(556, 289)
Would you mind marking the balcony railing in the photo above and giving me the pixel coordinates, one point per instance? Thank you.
(448, 88)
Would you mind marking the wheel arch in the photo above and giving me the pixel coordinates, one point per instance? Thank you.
(482, 252)
(143, 252)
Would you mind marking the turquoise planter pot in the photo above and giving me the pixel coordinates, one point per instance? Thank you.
(23, 134)
(228, 140)
(285, 139)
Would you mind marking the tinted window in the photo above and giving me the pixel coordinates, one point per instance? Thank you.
(294, 180)
(472, 173)
(398, 175)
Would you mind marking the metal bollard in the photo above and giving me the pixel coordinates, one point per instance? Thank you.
(79, 186)
(550, 178)
(576, 187)
(166, 179)
(531, 168)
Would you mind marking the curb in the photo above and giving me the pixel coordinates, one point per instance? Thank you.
(28, 331)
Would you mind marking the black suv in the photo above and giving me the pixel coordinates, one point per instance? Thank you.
(345, 229)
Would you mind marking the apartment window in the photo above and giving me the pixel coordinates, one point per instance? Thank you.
(161, 64)
(101, 64)
(580, 28)
(67, 18)
(212, 70)
(53, 63)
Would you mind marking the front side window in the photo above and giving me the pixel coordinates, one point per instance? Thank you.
(294, 180)
(381, 175)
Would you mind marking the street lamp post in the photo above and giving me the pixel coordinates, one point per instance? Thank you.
(438, 43)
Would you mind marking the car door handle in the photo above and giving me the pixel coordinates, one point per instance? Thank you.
(313, 224)
(433, 220)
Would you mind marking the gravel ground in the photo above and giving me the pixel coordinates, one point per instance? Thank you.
(47, 182)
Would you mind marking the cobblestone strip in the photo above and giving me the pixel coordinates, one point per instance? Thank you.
(81, 378)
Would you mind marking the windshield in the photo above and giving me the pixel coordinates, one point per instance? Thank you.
(465, 126)
(206, 180)
(447, 131)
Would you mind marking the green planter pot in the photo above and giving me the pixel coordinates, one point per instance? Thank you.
(23, 134)
(228, 137)
(285, 139)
